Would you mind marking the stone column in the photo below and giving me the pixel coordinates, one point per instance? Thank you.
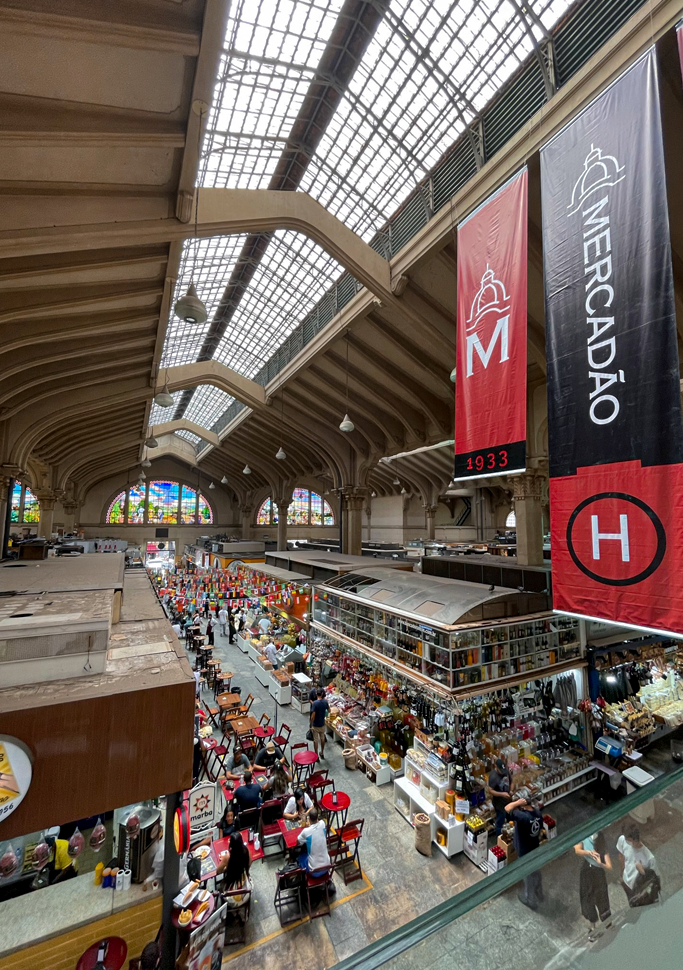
(282, 510)
(245, 515)
(528, 495)
(70, 509)
(430, 514)
(354, 498)
(4, 499)
(368, 516)
(46, 500)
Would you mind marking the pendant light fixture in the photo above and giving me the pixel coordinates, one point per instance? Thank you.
(224, 480)
(281, 451)
(246, 470)
(403, 491)
(189, 307)
(397, 481)
(453, 376)
(164, 399)
(151, 442)
(347, 425)
(211, 485)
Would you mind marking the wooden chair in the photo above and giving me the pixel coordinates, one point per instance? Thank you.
(297, 771)
(221, 754)
(214, 715)
(282, 739)
(314, 782)
(246, 707)
(288, 895)
(250, 818)
(206, 770)
(271, 811)
(247, 742)
(321, 788)
(264, 720)
(313, 883)
(349, 838)
(237, 916)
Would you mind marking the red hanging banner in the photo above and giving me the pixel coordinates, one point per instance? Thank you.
(490, 386)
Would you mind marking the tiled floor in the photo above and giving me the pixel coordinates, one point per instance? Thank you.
(403, 884)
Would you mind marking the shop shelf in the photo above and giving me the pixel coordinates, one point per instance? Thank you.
(583, 784)
(569, 778)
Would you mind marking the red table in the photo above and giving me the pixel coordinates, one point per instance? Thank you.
(116, 954)
(254, 853)
(263, 732)
(304, 761)
(338, 807)
(289, 836)
(193, 907)
(227, 788)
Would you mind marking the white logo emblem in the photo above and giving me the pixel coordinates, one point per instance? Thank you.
(599, 171)
(491, 298)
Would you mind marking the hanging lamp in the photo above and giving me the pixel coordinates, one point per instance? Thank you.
(164, 399)
(151, 442)
(453, 376)
(246, 470)
(224, 480)
(189, 307)
(211, 485)
(347, 425)
(397, 481)
(280, 454)
(142, 476)
(281, 451)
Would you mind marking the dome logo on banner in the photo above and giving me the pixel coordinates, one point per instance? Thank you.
(16, 772)
(621, 533)
(490, 299)
(599, 171)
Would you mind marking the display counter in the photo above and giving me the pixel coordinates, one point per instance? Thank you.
(38, 916)
(280, 687)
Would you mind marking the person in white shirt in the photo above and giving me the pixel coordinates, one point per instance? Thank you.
(264, 624)
(313, 839)
(298, 806)
(222, 620)
(639, 868)
(270, 653)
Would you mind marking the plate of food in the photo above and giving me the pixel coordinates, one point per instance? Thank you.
(186, 895)
(202, 852)
(201, 912)
(185, 917)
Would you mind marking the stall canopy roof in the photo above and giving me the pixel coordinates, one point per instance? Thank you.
(432, 599)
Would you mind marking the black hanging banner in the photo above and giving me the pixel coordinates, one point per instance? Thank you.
(614, 400)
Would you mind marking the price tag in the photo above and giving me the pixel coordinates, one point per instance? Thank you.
(462, 806)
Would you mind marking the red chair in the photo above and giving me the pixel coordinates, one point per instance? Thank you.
(247, 742)
(321, 881)
(320, 789)
(282, 739)
(205, 771)
(314, 781)
(271, 811)
(221, 753)
(349, 838)
(250, 818)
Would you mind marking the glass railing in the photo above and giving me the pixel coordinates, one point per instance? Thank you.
(605, 895)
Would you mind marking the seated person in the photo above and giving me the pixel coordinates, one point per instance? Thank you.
(227, 824)
(235, 870)
(298, 806)
(248, 795)
(280, 780)
(313, 839)
(236, 764)
(268, 755)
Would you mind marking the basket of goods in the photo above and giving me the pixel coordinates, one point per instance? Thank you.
(423, 833)
(350, 758)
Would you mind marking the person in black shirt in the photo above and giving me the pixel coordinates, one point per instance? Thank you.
(268, 755)
(528, 824)
(227, 824)
(319, 710)
(313, 695)
(499, 788)
(248, 795)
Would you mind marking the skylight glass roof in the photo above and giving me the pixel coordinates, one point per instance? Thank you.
(428, 71)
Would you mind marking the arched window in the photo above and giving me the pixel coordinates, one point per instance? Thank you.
(306, 508)
(117, 510)
(511, 521)
(160, 502)
(25, 508)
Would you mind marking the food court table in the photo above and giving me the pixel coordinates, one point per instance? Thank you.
(289, 835)
(304, 761)
(336, 803)
(243, 725)
(193, 907)
(228, 701)
(263, 732)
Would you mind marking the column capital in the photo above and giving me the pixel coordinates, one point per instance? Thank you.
(246, 509)
(4, 487)
(528, 487)
(354, 496)
(283, 504)
(430, 511)
(46, 498)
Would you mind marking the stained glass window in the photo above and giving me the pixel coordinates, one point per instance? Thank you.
(306, 508)
(299, 510)
(16, 501)
(117, 510)
(136, 505)
(162, 504)
(205, 513)
(31, 507)
(188, 506)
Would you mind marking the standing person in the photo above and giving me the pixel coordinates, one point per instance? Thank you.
(528, 821)
(499, 789)
(593, 891)
(209, 632)
(222, 619)
(232, 625)
(206, 605)
(639, 877)
(264, 624)
(313, 695)
(270, 653)
(319, 711)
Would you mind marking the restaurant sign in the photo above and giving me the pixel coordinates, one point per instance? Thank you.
(15, 774)
(203, 806)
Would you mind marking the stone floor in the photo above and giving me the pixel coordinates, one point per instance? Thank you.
(401, 884)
